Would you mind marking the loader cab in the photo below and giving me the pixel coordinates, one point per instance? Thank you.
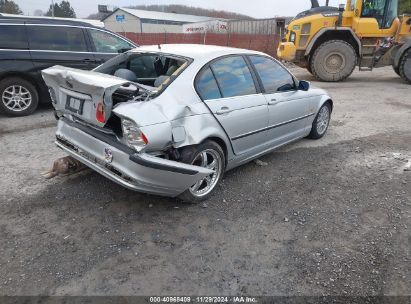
(374, 18)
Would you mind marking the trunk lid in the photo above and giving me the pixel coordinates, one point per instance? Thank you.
(82, 93)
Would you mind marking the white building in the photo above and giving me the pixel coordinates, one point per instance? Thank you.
(142, 21)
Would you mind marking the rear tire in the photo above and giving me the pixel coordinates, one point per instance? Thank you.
(18, 97)
(321, 122)
(396, 70)
(405, 66)
(333, 61)
(215, 159)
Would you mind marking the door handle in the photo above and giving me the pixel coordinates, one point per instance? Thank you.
(223, 110)
(273, 102)
(87, 60)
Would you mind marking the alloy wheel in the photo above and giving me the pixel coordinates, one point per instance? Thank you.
(16, 98)
(210, 159)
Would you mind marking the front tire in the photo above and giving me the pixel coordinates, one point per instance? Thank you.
(18, 97)
(321, 122)
(334, 61)
(207, 154)
(405, 66)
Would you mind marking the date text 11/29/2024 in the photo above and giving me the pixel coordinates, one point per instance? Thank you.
(203, 299)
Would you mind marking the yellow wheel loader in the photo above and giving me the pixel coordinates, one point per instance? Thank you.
(330, 42)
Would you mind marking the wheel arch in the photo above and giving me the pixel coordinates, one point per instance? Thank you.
(344, 34)
(221, 143)
(24, 76)
(330, 101)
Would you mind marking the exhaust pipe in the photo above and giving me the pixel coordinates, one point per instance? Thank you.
(314, 4)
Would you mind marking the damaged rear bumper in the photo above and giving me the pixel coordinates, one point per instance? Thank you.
(121, 164)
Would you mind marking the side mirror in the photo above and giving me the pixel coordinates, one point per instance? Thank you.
(341, 8)
(303, 85)
(123, 50)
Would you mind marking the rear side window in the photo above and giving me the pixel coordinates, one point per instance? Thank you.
(233, 76)
(57, 38)
(207, 86)
(13, 37)
(273, 76)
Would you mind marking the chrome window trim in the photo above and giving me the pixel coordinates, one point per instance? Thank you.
(54, 51)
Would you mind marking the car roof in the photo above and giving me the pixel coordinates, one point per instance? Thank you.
(4, 18)
(195, 51)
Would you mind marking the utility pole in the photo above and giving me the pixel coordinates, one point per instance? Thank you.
(52, 8)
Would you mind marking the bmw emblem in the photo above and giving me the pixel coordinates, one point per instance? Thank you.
(108, 155)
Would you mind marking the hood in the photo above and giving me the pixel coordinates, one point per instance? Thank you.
(325, 10)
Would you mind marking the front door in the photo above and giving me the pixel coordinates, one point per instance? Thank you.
(287, 106)
(376, 18)
(229, 90)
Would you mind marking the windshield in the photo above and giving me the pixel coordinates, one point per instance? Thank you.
(155, 71)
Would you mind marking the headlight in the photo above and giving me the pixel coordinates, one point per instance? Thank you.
(133, 135)
(292, 37)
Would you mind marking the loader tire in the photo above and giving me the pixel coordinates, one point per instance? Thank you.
(333, 61)
(405, 66)
(396, 70)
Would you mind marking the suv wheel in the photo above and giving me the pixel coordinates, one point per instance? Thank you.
(18, 97)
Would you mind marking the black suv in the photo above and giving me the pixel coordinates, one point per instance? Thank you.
(29, 45)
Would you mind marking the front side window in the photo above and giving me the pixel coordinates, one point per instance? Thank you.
(207, 85)
(56, 38)
(374, 9)
(13, 37)
(105, 42)
(233, 76)
(392, 13)
(352, 6)
(274, 77)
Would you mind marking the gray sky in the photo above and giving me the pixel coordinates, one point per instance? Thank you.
(254, 8)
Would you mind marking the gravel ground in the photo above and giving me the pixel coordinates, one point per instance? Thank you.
(327, 217)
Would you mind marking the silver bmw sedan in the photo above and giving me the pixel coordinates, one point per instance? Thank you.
(171, 119)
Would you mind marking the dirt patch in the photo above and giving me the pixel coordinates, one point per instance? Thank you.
(327, 220)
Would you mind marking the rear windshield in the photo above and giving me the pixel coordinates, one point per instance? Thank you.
(13, 37)
(154, 70)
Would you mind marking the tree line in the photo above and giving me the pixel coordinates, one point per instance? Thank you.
(62, 9)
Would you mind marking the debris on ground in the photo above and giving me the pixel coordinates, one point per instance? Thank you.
(260, 163)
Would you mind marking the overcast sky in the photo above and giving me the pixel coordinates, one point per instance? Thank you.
(253, 8)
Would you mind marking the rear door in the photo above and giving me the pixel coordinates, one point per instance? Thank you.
(59, 45)
(106, 45)
(228, 88)
(287, 106)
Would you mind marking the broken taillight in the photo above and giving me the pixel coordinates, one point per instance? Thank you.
(100, 114)
(134, 136)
